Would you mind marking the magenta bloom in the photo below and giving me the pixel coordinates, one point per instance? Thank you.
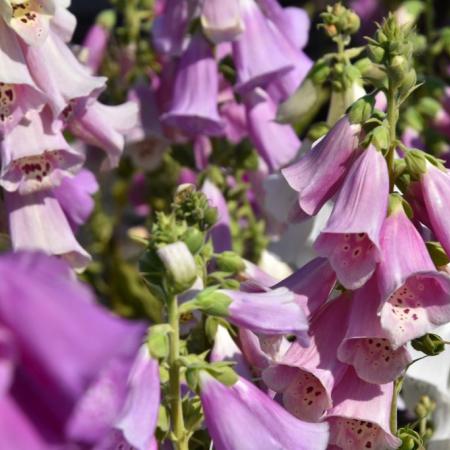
(258, 40)
(435, 185)
(242, 415)
(360, 415)
(314, 281)
(366, 345)
(319, 174)
(62, 340)
(276, 143)
(306, 376)
(193, 110)
(351, 238)
(416, 297)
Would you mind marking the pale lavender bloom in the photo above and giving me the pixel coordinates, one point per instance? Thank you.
(235, 121)
(276, 143)
(275, 312)
(220, 233)
(63, 21)
(360, 415)
(18, 92)
(37, 222)
(75, 196)
(225, 349)
(243, 415)
(221, 21)
(351, 238)
(193, 110)
(416, 297)
(103, 126)
(250, 51)
(59, 74)
(146, 142)
(170, 27)
(318, 175)
(366, 346)
(95, 44)
(29, 19)
(35, 156)
(435, 190)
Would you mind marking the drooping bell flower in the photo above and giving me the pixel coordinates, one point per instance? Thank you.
(250, 50)
(221, 21)
(285, 85)
(366, 345)
(318, 175)
(351, 238)
(59, 74)
(36, 157)
(293, 22)
(63, 339)
(104, 126)
(306, 376)
(193, 110)
(220, 233)
(276, 143)
(235, 121)
(18, 92)
(75, 196)
(360, 415)
(30, 19)
(225, 349)
(131, 419)
(146, 142)
(63, 22)
(275, 312)
(314, 280)
(170, 27)
(243, 416)
(435, 190)
(96, 41)
(416, 297)
(37, 222)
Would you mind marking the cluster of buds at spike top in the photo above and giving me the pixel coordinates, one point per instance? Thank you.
(393, 48)
(338, 20)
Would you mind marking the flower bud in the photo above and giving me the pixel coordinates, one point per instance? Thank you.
(380, 137)
(430, 344)
(398, 68)
(158, 341)
(180, 266)
(230, 262)
(416, 163)
(194, 239)
(376, 53)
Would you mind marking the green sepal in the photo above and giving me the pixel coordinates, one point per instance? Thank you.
(411, 440)
(431, 344)
(317, 130)
(158, 340)
(416, 163)
(192, 413)
(194, 239)
(230, 262)
(379, 137)
(437, 253)
(362, 109)
(213, 302)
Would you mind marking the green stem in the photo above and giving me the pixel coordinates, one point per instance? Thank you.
(176, 411)
(392, 117)
(393, 420)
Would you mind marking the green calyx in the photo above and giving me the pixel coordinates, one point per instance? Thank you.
(430, 344)
(437, 253)
(411, 440)
(361, 110)
(213, 302)
(230, 262)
